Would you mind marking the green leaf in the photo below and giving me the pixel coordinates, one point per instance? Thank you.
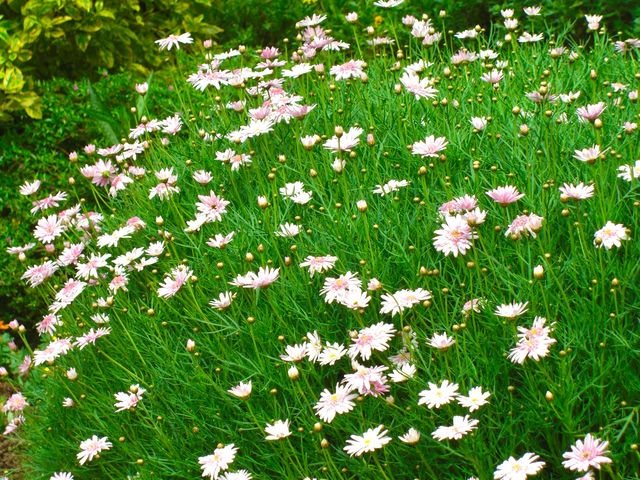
(13, 80)
(82, 40)
(99, 113)
(60, 20)
(106, 14)
(32, 105)
(107, 58)
(84, 4)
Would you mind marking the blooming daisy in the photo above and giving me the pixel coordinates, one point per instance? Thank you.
(475, 399)
(454, 236)
(461, 426)
(174, 41)
(278, 430)
(610, 235)
(92, 447)
(331, 404)
(587, 453)
(518, 469)
(437, 396)
(218, 461)
(371, 440)
(429, 147)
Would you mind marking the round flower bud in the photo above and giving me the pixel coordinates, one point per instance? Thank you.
(538, 271)
(293, 373)
(263, 202)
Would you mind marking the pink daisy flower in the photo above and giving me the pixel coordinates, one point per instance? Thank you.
(454, 236)
(505, 195)
(585, 454)
(430, 146)
(591, 112)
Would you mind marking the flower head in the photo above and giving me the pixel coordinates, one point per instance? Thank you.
(92, 447)
(174, 41)
(587, 453)
(518, 469)
(371, 440)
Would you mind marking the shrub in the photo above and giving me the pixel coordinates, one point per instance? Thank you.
(351, 228)
(40, 39)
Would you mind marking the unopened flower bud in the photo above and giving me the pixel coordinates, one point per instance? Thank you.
(362, 205)
(293, 373)
(370, 140)
(263, 202)
(142, 88)
(538, 271)
(191, 345)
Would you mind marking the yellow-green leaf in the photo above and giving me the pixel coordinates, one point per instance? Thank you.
(60, 20)
(82, 40)
(106, 13)
(13, 80)
(84, 4)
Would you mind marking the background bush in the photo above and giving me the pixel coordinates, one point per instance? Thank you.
(40, 39)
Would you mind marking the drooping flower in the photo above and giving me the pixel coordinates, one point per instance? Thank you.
(129, 400)
(174, 282)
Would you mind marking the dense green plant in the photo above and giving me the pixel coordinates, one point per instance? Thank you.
(40, 39)
(189, 268)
